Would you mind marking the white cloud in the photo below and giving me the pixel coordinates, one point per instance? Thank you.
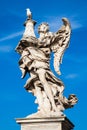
(11, 36)
(71, 76)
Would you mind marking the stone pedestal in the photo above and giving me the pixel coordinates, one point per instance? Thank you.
(48, 123)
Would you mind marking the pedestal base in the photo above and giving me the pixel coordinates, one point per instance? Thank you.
(48, 123)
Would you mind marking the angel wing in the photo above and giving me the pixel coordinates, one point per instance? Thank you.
(60, 42)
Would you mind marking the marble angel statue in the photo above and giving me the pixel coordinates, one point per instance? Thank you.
(35, 60)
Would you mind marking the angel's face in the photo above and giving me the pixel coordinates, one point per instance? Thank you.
(43, 28)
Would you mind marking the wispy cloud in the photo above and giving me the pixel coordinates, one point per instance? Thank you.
(75, 22)
(71, 76)
(11, 36)
(56, 22)
(76, 25)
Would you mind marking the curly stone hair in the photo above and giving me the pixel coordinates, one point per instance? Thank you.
(46, 25)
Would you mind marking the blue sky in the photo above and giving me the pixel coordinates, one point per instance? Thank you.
(15, 102)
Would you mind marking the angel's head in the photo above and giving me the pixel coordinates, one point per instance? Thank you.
(43, 27)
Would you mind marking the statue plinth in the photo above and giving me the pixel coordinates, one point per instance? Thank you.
(53, 123)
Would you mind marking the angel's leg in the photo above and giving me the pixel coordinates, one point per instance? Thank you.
(47, 88)
(39, 96)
